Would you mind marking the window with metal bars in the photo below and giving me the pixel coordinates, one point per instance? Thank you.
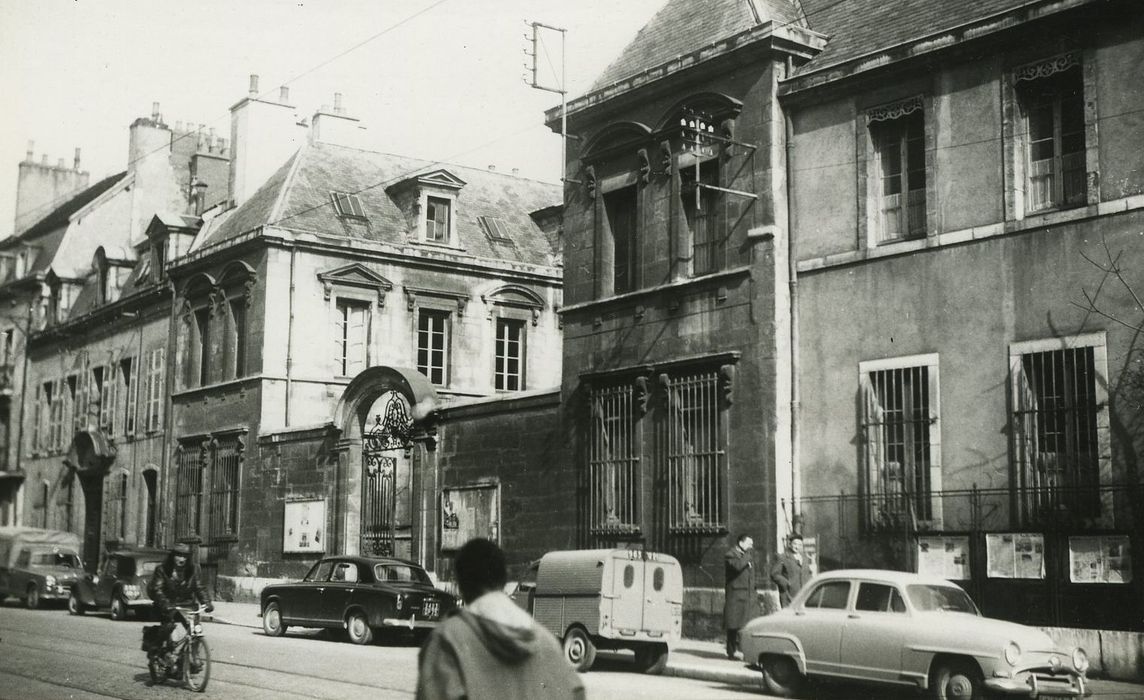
(351, 336)
(701, 211)
(613, 460)
(508, 374)
(899, 425)
(189, 459)
(433, 345)
(1055, 428)
(1051, 96)
(695, 455)
(226, 463)
(901, 182)
(115, 507)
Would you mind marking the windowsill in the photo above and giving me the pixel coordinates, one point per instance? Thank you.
(230, 383)
(1038, 220)
(659, 289)
(454, 247)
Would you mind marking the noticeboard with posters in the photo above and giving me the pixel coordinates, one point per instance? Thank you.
(945, 556)
(1100, 559)
(468, 512)
(303, 526)
(1015, 555)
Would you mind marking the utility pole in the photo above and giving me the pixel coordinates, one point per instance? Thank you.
(534, 79)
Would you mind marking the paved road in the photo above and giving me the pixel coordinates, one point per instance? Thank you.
(49, 654)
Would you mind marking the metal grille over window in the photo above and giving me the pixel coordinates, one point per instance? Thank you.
(613, 461)
(1055, 434)
(225, 470)
(696, 461)
(897, 424)
(188, 490)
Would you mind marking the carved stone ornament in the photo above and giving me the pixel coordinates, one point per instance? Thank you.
(727, 383)
(895, 110)
(641, 394)
(645, 166)
(248, 291)
(1046, 68)
(665, 158)
(590, 181)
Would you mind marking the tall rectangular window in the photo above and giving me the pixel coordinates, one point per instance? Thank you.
(620, 207)
(351, 336)
(127, 395)
(701, 209)
(238, 338)
(153, 415)
(509, 371)
(900, 432)
(433, 346)
(1057, 412)
(103, 393)
(437, 213)
(613, 460)
(75, 409)
(188, 490)
(7, 346)
(42, 402)
(901, 160)
(1051, 96)
(695, 452)
(202, 320)
(60, 414)
(227, 457)
(115, 507)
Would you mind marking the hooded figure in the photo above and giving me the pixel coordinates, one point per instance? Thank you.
(491, 648)
(177, 582)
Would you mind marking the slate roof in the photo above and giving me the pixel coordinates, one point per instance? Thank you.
(59, 216)
(682, 26)
(298, 197)
(854, 27)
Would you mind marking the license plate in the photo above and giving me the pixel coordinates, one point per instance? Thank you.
(431, 608)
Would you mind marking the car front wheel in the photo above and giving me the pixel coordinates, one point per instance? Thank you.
(33, 598)
(74, 606)
(781, 675)
(357, 628)
(118, 608)
(272, 621)
(957, 680)
(579, 649)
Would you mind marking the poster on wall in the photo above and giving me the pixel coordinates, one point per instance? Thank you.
(1100, 559)
(1015, 555)
(468, 512)
(303, 527)
(945, 557)
(810, 555)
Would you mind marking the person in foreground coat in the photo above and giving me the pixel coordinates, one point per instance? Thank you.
(491, 648)
(789, 573)
(738, 591)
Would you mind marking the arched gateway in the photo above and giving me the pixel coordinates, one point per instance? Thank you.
(387, 459)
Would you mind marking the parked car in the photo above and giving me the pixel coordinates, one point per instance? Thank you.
(607, 598)
(38, 565)
(358, 594)
(909, 630)
(121, 585)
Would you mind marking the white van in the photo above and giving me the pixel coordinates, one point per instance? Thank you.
(607, 599)
(38, 565)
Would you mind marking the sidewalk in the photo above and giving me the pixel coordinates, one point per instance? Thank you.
(689, 658)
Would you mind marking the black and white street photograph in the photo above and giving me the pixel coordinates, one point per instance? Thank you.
(566, 349)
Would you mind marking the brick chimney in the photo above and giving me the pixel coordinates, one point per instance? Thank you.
(41, 187)
(263, 135)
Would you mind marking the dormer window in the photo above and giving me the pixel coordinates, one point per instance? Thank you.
(348, 206)
(438, 211)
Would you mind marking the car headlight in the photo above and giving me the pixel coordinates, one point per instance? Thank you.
(1080, 660)
(400, 599)
(49, 581)
(1012, 653)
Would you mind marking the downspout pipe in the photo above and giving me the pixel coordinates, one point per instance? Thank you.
(792, 277)
(18, 514)
(290, 339)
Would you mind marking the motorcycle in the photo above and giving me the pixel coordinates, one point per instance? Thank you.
(188, 658)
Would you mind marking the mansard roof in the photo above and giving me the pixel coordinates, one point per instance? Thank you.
(298, 197)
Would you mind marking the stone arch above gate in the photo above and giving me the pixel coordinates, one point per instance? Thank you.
(350, 416)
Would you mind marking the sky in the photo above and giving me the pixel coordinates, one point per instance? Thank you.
(434, 79)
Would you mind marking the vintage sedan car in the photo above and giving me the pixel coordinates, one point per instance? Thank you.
(358, 594)
(121, 585)
(908, 630)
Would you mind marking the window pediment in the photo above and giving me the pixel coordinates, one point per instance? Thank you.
(514, 297)
(357, 276)
(440, 179)
(415, 294)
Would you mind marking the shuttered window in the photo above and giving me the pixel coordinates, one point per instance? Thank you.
(613, 460)
(351, 336)
(154, 407)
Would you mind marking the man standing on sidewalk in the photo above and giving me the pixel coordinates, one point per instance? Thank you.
(788, 574)
(739, 591)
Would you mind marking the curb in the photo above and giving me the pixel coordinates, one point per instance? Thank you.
(718, 675)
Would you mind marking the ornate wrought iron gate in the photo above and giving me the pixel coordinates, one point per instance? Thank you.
(382, 443)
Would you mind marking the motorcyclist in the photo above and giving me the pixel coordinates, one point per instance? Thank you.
(177, 582)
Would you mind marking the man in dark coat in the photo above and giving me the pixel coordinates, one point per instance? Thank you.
(739, 591)
(177, 582)
(789, 573)
(490, 648)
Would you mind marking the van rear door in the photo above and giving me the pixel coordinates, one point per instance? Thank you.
(627, 593)
(658, 594)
